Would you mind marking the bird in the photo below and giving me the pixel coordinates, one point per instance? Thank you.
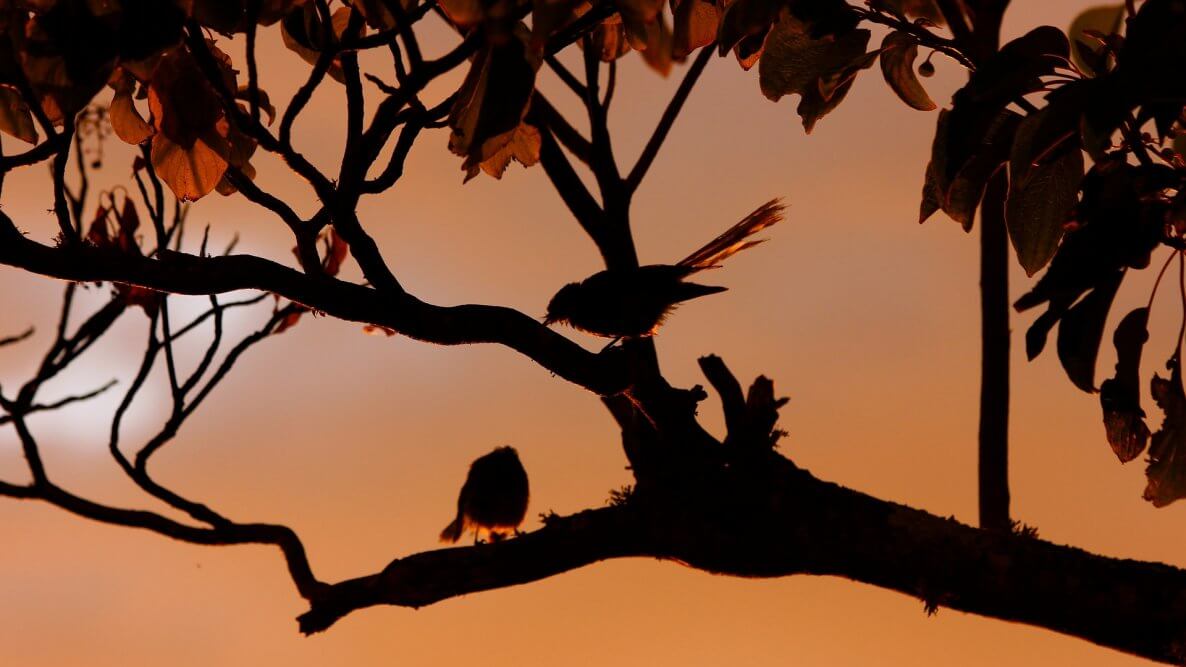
(633, 303)
(493, 498)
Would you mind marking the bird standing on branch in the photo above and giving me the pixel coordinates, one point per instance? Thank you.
(633, 303)
(494, 497)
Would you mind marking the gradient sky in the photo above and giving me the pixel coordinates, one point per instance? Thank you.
(360, 443)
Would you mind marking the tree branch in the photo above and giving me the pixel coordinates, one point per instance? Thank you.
(456, 325)
(774, 520)
(668, 119)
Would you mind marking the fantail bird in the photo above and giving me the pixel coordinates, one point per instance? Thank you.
(494, 497)
(633, 303)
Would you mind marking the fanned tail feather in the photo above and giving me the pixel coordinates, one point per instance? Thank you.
(734, 240)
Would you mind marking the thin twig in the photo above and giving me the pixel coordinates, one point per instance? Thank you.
(668, 119)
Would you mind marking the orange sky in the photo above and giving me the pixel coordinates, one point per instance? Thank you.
(360, 443)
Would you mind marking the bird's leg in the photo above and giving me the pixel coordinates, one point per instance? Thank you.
(611, 344)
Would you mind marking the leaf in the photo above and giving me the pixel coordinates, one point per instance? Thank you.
(609, 38)
(653, 42)
(492, 101)
(523, 148)
(464, 13)
(931, 196)
(230, 16)
(1114, 229)
(915, 9)
(1120, 395)
(971, 139)
(640, 11)
(183, 104)
(1081, 331)
(289, 321)
(549, 16)
(744, 20)
(190, 172)
(1166, 472)
(336, 250)
(898, 53)
(695, 24)
(99, 234)
(1106, 19)
(265, 103)
(1037, 211)
(795, 62)
(126, 120)
(304, 33)
(959, 195)
(1150, 61)
(15, 117)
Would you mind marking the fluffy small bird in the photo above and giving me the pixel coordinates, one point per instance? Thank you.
(493, 498)
(633, 303)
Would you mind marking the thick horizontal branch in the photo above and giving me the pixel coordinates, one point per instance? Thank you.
(772, 519)
(422, 579)
(179, 273)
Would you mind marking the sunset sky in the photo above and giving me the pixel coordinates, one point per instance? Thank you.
(360, 443)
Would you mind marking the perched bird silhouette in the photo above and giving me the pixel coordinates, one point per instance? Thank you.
(633, 303)
(494, 497)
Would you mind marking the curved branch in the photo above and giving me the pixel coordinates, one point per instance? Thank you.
(651, 150)
(564, 544)
(232, 534)
(774, 520)
(181, 273)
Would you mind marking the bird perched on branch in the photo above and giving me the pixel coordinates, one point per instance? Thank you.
(633, 303)
(494, 497)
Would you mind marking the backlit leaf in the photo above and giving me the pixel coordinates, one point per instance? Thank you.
(523, 148)
(190, 172)
(492, 101)
(898, 52)
(126, 120)
(695, 24)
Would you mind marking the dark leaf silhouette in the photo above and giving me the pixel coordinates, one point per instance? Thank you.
(1166, 472)
(898, 52)
(959, 196)
(915, 9)
(1082, 329)
(1116, 230)
(975, 137)
(1120, 395)
(1042, 197)
(1087, 48)
(819, 68)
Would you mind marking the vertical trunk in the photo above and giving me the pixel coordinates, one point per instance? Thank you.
(994, 370)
